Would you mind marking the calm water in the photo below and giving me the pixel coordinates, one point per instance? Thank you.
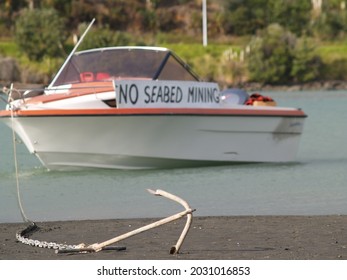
(316, 184)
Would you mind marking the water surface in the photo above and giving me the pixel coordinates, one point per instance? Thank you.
(316, 184)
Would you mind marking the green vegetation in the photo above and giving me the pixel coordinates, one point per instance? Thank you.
(278, 57)
(9, 48)
(40, 33)
(266, 41)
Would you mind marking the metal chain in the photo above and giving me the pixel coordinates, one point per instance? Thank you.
(23, 237)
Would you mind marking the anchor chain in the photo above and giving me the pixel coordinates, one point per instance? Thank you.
(23, 237)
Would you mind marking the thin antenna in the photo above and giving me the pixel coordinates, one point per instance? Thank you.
(72, 53)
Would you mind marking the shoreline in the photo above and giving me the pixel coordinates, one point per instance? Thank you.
(209, 238)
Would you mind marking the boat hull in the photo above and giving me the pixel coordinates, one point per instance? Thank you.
(148, 141)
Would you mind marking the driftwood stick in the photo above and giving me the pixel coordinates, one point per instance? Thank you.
(175, 249)
(98, 246)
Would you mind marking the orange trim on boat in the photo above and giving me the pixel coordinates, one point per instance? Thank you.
(155, 111)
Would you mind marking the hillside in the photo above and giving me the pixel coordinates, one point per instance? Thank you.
(177, 24)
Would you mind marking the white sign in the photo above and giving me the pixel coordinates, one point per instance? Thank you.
(166, 94)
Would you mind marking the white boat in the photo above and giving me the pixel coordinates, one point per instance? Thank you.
(142, 108)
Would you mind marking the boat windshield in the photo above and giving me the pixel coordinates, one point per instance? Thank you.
(124, 63)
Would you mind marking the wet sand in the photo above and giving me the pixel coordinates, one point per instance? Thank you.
(209, 238)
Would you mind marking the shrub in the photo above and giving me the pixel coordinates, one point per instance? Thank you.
(306, 65)
(271, 55)
(335, 70)
(40, 33)
(278, 57)
(103, 37)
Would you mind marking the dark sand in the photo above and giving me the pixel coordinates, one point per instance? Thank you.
(210, 238)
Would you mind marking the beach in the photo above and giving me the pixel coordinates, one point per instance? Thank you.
(209, 238)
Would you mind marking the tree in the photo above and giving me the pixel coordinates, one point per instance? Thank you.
(8, 12)
(40, 33)
(306, 65)
(277, 56)
(271, 55)
(331, 22)
(245, 17)
(293, 15)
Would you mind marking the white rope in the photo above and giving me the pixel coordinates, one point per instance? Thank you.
(22, 236)
(25, 219)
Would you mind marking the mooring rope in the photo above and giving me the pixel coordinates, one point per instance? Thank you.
(25, 218)
(23, 235)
